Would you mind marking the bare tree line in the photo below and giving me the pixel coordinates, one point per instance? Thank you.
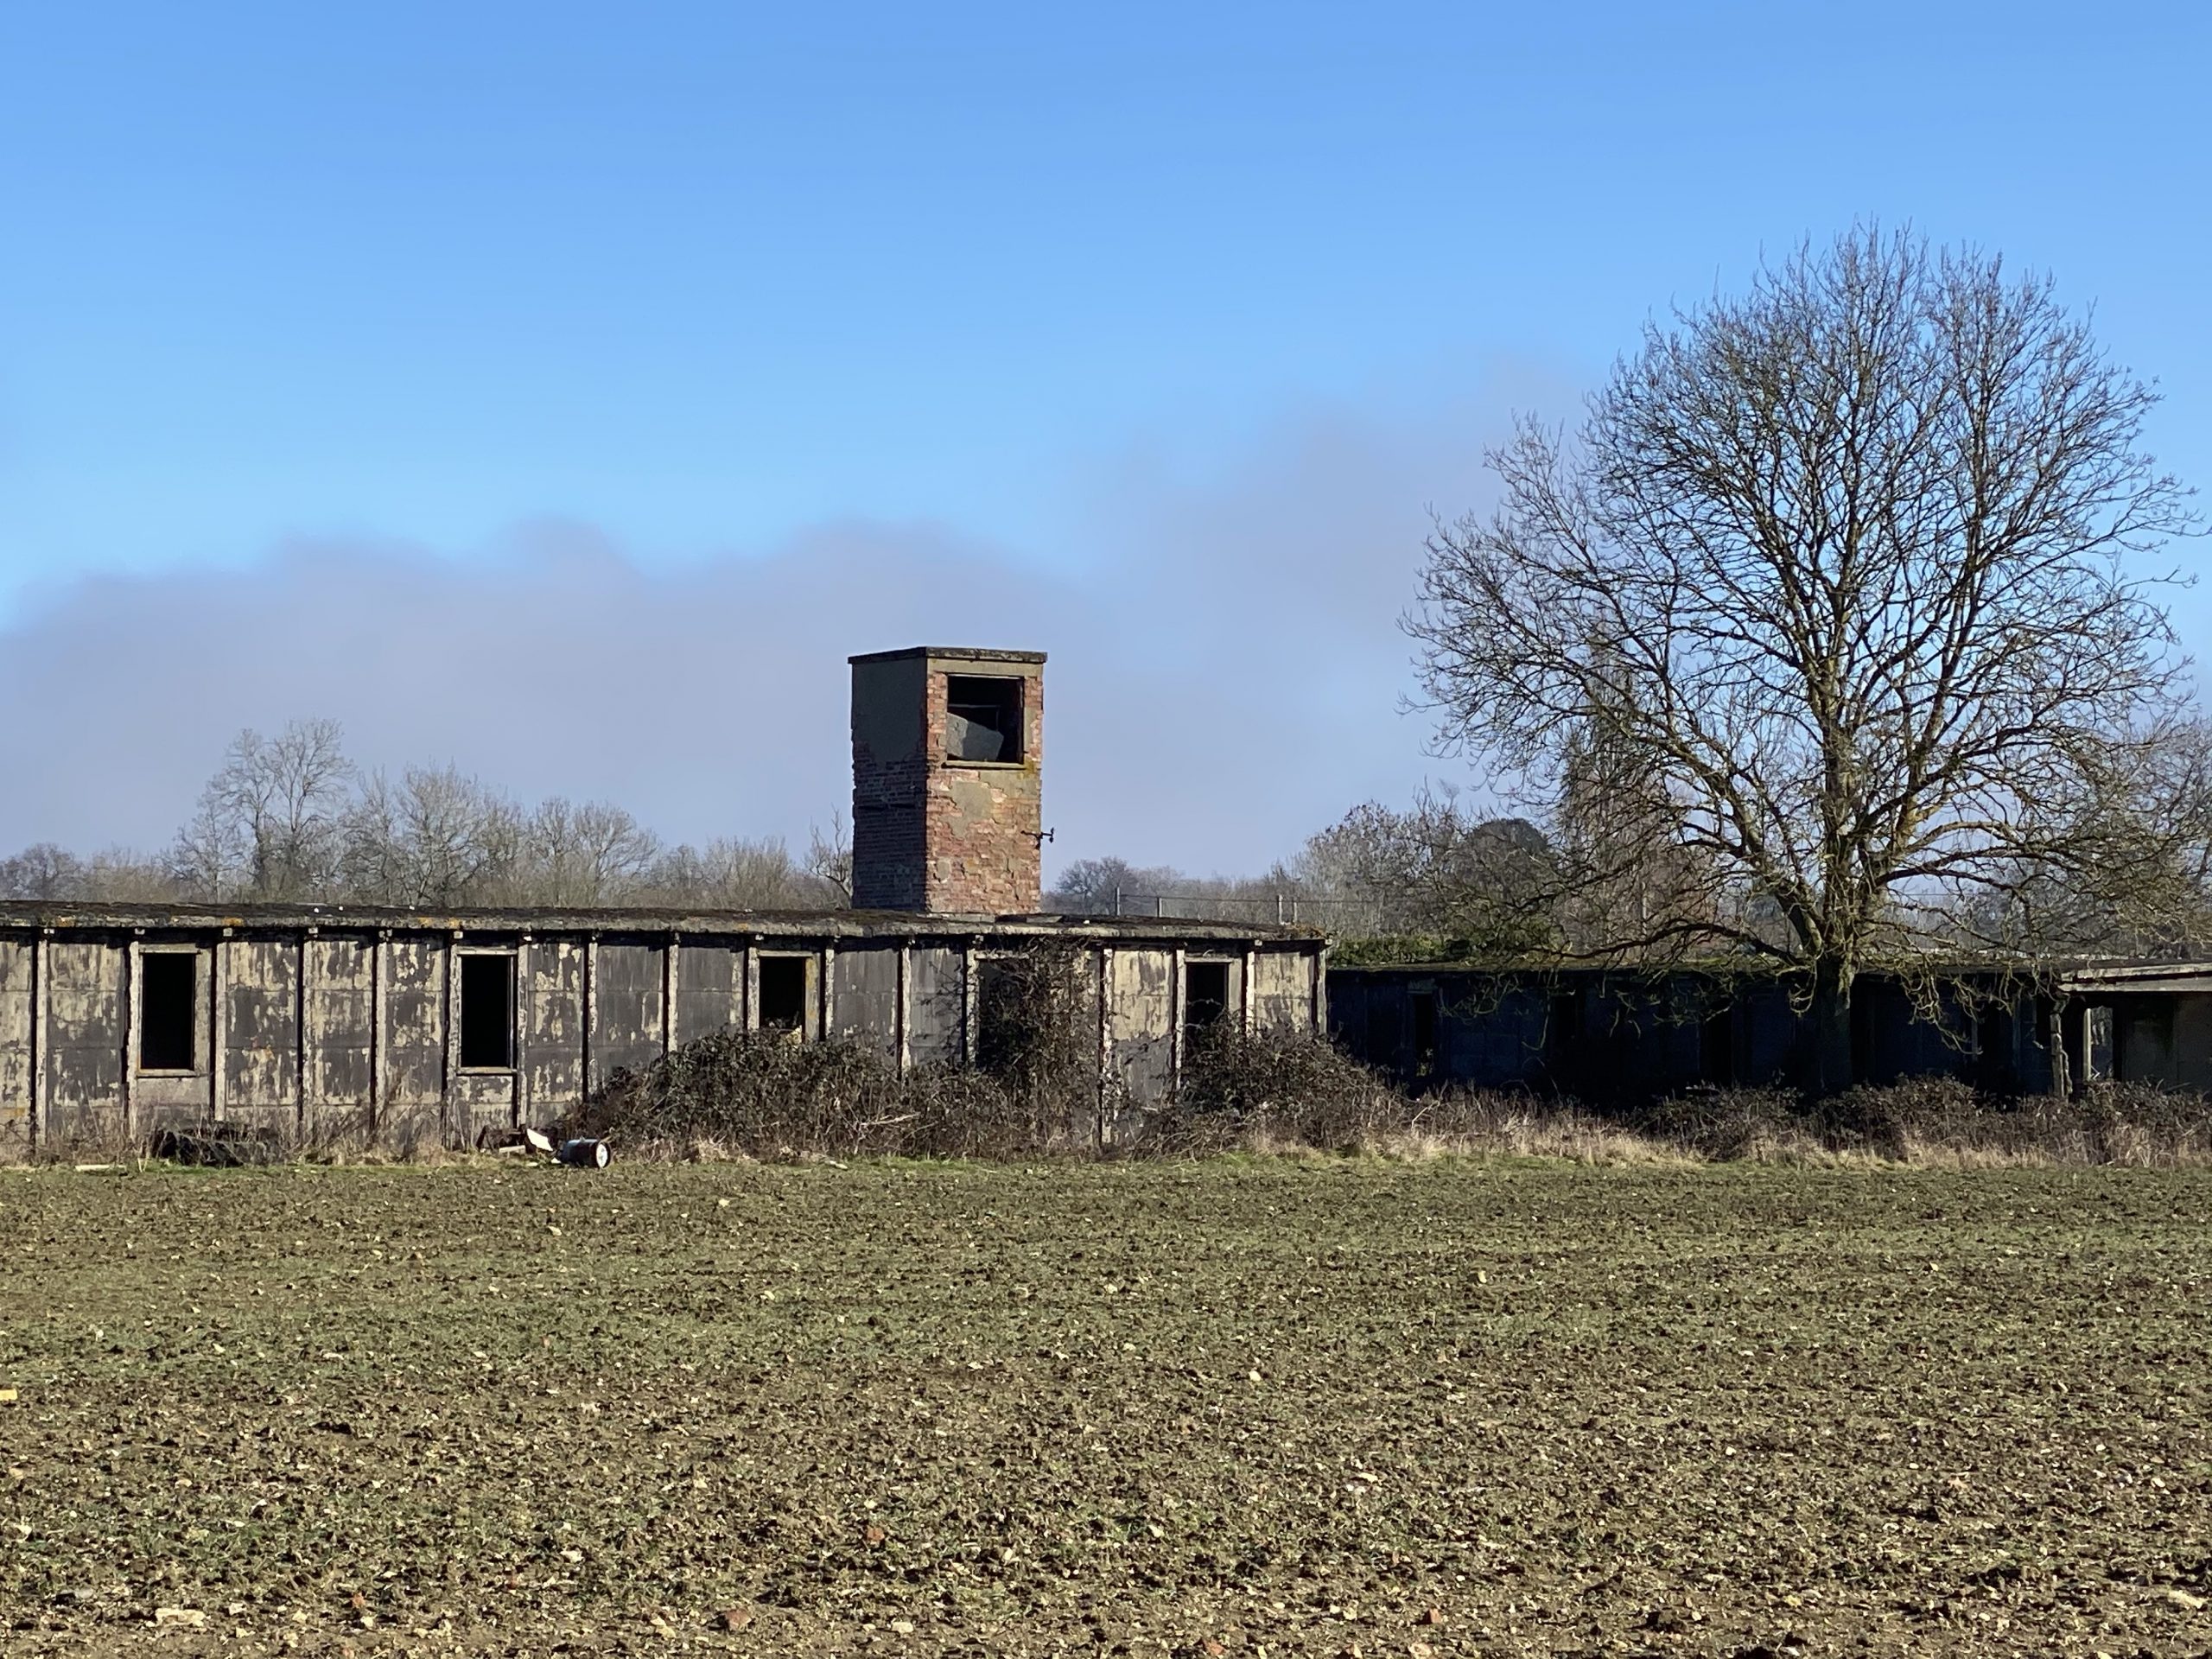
(292, 819)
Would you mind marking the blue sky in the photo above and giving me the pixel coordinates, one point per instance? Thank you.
(1147, 334)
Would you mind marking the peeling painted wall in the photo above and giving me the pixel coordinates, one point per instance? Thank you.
(866, 1004)
(341, 1045)
(86, 987)
(261, 1080)
(550, 1017)
(1141, 1022)
(330, 1031)
(708, 983)
(936, 1005)
(17, 958)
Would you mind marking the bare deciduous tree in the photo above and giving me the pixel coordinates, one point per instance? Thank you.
(43, 871)
(830, 858)
(1435, 872)
(731, 873)
(593, 854)
(1842, 568)
(437, 836)
(267, 826)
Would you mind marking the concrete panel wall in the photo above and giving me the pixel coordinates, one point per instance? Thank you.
(261, 1018)
(2146, 1034)
(343, 1030)
(865, 1005)
(936, 1005)
(626, 1002)
(1282, 992)
(414, 1029)
(1140, 1023)
(2192, 1042)
(340, 1003)
(551, 1020)
(84, 1034)
(1491, 1038)
(16, 963)
(710, 982)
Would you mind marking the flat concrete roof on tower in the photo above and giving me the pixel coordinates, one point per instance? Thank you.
(968, 653)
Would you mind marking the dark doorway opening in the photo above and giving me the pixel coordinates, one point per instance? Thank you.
(782, 993)
(1206, 994)
(487, 1012)
(168, 1025)
(1427, 1012)
(1716, 1056)
(983, 718)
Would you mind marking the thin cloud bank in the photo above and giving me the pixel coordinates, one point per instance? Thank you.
(1225, 672)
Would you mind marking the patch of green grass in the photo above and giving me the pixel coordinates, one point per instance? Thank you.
(1297, 1404)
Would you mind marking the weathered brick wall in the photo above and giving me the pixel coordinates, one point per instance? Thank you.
(982, 821)
(935, 834)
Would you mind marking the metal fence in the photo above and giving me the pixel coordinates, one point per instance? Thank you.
(1281, 906)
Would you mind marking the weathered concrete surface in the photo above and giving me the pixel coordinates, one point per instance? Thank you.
(1141, 1022)
(17, 956)
(415, 1033)
(341, 1045)
(936, 1005)
(709, 977)
(261, 1030)
(86, 984)
(552, 1023)
(866, 1001)
(362, 1009)
(1282, 993)
(627, 988)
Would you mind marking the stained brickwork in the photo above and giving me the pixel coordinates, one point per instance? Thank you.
(931, 832)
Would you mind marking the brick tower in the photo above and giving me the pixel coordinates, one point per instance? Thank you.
(947, 783)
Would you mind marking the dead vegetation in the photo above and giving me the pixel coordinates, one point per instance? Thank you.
(762, 1096)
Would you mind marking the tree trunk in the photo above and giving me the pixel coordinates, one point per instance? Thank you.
(1830, 1071)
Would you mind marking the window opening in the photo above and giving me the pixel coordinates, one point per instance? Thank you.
(782, 993)
(168, 1033)
(487, 1010)
(983, 720)
(1206, 994)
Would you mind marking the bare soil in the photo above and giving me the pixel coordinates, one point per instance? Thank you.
(1231, 1405)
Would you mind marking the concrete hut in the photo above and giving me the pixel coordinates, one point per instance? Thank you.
(116, 1020)
(1611, 1035)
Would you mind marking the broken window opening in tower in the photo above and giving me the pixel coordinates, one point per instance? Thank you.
(983, 718)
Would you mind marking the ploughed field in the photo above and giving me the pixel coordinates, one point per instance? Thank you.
(1296, 1407)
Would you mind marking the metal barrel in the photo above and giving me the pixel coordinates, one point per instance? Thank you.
(584, 1155)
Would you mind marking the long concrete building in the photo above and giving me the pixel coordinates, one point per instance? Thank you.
(336, 1020)
(1609, 1034)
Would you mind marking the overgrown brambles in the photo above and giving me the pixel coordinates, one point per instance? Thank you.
(763, 1094)
(1274, 1089)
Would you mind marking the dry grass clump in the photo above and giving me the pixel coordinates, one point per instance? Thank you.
(1941, 1120)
